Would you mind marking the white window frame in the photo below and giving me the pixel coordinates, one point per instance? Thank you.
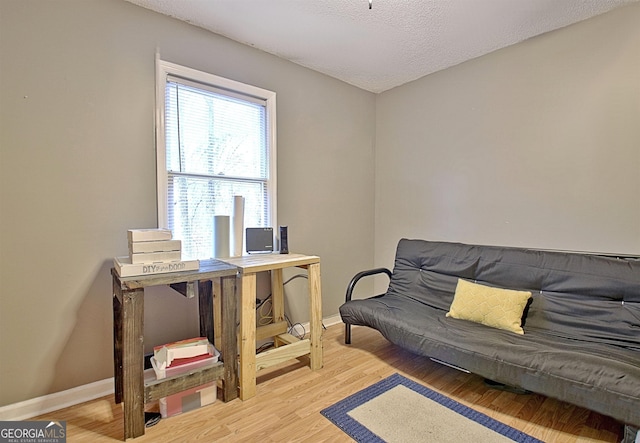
(163, 70)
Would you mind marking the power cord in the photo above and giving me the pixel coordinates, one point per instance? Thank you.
(266, 317)
(293, 278)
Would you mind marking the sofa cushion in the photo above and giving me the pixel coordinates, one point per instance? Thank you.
(575, 296)
(495, 307)
(593, 375)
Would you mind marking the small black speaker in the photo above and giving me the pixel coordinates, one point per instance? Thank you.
(259, 240)
(284, 240)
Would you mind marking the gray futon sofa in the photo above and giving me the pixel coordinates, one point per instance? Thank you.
(581, 341)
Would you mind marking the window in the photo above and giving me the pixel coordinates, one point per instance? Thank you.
(215, 140)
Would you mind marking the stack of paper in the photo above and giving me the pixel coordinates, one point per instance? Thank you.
(182, 356)
(153, 251)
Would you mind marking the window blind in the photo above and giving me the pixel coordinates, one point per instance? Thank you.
(216, 147)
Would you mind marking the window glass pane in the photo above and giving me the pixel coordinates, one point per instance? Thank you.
(211, 134)
(194, 200)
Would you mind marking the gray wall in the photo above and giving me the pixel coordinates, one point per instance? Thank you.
(78, 169)
(536, 145)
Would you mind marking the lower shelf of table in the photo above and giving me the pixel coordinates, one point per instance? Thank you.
(288, 347)
(156, 389)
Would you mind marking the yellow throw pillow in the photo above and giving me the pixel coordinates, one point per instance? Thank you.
(498, 308)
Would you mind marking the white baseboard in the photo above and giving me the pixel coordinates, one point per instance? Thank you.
(52, 402)
(58, 400)
(333, 320)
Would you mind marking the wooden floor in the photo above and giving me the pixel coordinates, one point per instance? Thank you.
(289, 398)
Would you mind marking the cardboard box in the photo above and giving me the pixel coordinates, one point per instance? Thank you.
(188, 400)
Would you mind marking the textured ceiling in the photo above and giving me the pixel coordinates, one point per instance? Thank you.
(394, 42)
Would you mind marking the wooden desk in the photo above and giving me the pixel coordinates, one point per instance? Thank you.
(128, 337)
(287, 346)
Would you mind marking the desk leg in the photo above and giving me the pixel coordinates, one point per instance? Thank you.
(277, 295)
(217, 312)
(315, 316)
(247, 336)
(229, 337)
(133, 362)
(205, 311)
(117, 340)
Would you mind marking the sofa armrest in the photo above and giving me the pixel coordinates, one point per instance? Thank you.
(360, 275)
(352, 284)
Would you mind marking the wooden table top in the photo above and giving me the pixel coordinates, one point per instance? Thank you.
(209, 269)
(268, 261)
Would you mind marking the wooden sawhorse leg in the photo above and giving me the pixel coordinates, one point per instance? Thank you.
(219, 306)
(128, 316)
(247, 336)
(315, 316)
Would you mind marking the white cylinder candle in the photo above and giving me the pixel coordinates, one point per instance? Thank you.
(221, 233)
(238, 225)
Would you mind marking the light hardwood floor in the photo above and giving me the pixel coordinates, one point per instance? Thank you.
(289, 399)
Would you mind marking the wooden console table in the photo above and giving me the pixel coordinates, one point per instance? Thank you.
(287, 346)
(128, 337)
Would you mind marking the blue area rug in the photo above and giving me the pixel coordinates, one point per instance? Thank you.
(342, 415)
